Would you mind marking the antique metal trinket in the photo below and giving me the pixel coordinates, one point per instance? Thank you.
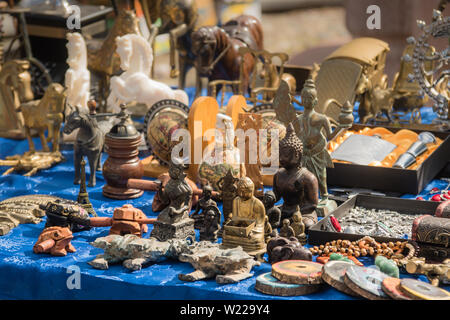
(174, 221)
(246, 227)
(296, 185)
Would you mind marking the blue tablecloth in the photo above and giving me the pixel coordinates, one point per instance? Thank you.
(25, 275)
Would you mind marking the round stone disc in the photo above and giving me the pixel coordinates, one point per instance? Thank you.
(391, 286)
(298, 272)
(333, 273)
(366, 282)
(422, 290)
(267, 284)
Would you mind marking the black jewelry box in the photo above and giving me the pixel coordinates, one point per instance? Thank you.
(391, 179)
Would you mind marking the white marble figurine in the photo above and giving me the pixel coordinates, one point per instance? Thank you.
(135, 84)
(78, 77)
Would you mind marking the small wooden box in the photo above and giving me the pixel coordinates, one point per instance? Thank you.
(239, 227)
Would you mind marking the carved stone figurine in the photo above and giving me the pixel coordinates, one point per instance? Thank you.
(174, 221)
(134, 252)
(296, 185)
(204, 202)
(134, 84)
(248, 216)
(78, 77)
(210, 260)
(211, 224)
(282, 248)
(273, 212)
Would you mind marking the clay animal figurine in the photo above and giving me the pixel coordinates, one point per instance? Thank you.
(249, 216)
(56, 241)
(296, 185)
(77, 78)
(211, 224)
(135, 252)
(217, 51)
(282, 248)
(273, 213)
(125, 220)
(211, 260)
(90, 140)
(204, 202)
(174, 221)
(134, 84)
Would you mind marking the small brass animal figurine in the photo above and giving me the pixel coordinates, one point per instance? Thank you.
(38, 113)
(89, 142)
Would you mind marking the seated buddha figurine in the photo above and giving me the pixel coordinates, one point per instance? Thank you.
(247, 209)
(296, 185)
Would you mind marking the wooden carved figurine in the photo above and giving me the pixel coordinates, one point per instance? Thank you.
(296, 185)
(246, 228)
(217, 51)
(135, 84)
(89, 141)
(125, 220)
(173, 221)
(55, 240)
(251, 123)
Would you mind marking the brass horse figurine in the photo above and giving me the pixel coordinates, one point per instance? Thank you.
(217, 51)
(43, 114)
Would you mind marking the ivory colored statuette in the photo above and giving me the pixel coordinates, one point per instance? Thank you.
(134, 84)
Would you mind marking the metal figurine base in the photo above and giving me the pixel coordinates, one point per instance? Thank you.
(325, 207)
(179, 230)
